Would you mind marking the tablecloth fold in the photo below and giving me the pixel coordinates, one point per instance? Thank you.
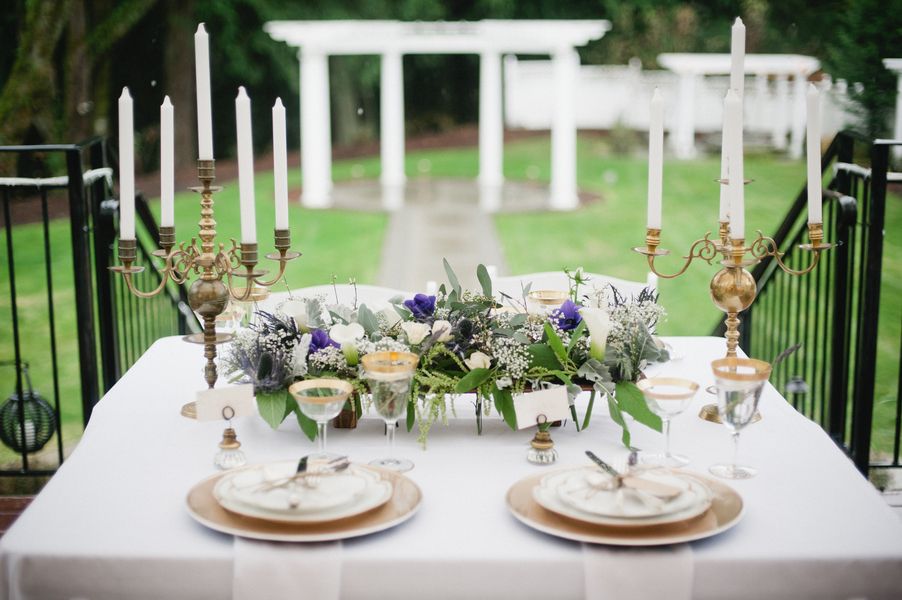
(638, 573)
(281, 570)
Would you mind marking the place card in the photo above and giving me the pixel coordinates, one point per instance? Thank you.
(215, 404)
(553, 403)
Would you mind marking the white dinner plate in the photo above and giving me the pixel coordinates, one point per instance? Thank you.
(695, 503)
(335, 496)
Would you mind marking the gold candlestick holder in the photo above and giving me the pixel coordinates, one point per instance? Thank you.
(216, 267)
(733, 288)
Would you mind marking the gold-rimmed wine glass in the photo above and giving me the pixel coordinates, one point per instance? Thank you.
(667, 397)
(739, 384)
(389, 375)
(321, 400)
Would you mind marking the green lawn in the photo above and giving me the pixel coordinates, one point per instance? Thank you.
(597, 236)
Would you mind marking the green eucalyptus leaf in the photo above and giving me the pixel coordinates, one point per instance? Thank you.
(271, 406)
(504, 403)
(589, 409)
(482, 274)
(472, 380)
(631, 401)
(307, 425)
(617, 417)
(452, 278)
(518, 320)
(556, 344)
(543, 356)
(576, 335)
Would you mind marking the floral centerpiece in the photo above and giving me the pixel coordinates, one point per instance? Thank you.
(468, 342)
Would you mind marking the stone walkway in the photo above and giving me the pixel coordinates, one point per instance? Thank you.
(436, 219)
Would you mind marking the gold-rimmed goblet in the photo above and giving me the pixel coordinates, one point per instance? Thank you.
(389, 375)
(667, 397)
(545, 301)
(321, 400)
(739, 384)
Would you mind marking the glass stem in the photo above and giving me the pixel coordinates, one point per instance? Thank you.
(667, 438)
(390, 436)
(735, 449)
(321, 437)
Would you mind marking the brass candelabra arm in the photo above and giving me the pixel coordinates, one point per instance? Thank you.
(169, 270)
(765, 246)
(283, 254)
(703, 249)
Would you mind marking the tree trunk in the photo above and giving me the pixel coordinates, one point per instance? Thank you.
(178, 70)
(79, 106)
(28, 99)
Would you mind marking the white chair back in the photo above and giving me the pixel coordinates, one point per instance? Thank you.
(512, 285)
(373, 296)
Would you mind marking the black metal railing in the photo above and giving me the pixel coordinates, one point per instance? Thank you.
(59, 288)
(834, 310)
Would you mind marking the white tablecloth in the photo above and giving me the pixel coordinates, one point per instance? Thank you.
(112, 523)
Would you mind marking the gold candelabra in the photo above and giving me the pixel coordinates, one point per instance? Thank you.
(733, 289)
(216, 267)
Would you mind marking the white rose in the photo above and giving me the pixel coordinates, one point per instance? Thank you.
(441, 329)
(416, 332)
(478, 360)
(599, 324)
(391, 316)
(346, 334)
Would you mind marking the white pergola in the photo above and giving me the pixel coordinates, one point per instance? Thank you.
(690, 67)
(895, 65)
(490, 39)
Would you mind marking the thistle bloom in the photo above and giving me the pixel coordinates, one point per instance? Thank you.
(599, 324)
(421, 305)
(567, 316)
(320, 340)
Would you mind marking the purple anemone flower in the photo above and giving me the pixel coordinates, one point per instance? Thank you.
(567, 316)
(421, 305)
(320, 340)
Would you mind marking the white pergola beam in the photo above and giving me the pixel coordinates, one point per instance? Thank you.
(895, 65)
(491, 130)
(392, 120)
(563, 131)
(316, 137)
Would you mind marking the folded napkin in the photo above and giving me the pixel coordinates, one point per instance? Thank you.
(285, 570)
(638, 573)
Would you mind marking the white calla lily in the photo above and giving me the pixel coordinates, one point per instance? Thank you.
(478, 360)
(599, 323)
(297, 310)
(416, 332)
(442, 330)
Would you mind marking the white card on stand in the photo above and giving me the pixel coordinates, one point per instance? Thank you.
(553, 403)
(214, 405)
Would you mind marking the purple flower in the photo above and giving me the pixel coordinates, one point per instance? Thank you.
(320, 340)
(567, 316)
(422, 306)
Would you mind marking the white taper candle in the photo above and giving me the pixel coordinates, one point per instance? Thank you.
(733, 118)
(725, 148)
(655, 159)
(126, 167)
(167, 163)
(814, 156)
(737, 57)
(280, 164)
(245, 167)
(204, 110)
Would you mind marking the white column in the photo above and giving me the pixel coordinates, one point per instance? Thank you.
(781, 112)
(762, 108)
(316, 136)
(491, 130)
(683, 138)
(563, 130)
(797, 134)
(391, 120)
(895, 65)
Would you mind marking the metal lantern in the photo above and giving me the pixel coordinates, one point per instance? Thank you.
(39, 422)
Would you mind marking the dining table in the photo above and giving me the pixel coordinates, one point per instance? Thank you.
(112, 523)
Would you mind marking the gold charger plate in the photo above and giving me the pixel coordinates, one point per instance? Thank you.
(403, 504)
(725, 511)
